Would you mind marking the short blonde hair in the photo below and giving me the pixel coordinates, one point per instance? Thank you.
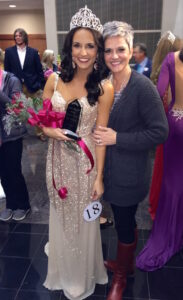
(1, 56)
(117, 28)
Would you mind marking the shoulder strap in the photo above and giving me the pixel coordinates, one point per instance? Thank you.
(56, 81)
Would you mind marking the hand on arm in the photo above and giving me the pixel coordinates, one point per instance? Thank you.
(104, 136)
(104, 107)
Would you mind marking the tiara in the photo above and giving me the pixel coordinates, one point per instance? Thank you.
(85, 18)
(169, 35)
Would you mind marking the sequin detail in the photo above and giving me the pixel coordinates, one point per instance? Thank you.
(69, 168)
(177, 113)
(75, 259)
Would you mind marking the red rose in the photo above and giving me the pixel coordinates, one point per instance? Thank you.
(17, 95)
(13, 101)
(21, 104)
(16, 111)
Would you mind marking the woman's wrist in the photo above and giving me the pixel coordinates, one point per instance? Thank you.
(99, 177)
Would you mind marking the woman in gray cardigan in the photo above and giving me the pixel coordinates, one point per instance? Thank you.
(137, 124)
(12, 180)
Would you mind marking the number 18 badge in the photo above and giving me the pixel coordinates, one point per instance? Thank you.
(92, 211)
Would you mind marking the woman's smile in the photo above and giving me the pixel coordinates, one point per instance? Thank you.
(84, 49)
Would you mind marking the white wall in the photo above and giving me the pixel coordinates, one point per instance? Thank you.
(32, 21)
(50, 24)
(178, 27)
(172, 17)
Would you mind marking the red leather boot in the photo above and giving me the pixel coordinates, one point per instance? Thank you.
(131, 269)
(111, 264)
(124, 257)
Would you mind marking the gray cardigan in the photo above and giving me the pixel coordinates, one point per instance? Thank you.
(141, 124)
(10, 86)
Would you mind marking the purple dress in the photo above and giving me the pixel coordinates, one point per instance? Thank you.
(166, 237)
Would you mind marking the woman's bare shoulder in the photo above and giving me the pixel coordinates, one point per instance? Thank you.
(107, 85)
(107, 96)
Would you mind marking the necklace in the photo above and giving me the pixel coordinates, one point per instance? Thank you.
(122, 86)
(117, 94)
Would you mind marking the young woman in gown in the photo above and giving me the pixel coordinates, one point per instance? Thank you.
(167, 43)
(75, 260)
(166, 238)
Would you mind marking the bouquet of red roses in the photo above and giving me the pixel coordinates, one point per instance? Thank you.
(34, 111)
(17, 110)
(46, 117)
(39, 113)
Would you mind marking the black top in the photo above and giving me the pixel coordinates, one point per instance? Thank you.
(141, 124)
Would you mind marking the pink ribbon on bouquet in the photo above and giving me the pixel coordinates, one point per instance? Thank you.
(49, 118)
(46, 117)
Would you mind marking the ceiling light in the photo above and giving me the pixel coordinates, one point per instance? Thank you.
(12, 6)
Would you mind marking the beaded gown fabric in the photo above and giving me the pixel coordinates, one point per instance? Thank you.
(75, 260)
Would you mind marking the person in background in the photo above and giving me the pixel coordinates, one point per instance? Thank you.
(48, 64)
(24, 62)
(49, 67)
(11, 146)
(166, 238)
(143, 63)
(75, 259)
(136, 124)
(167, 43)
(59, 62)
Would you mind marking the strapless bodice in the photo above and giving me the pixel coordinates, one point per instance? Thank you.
(88, 113)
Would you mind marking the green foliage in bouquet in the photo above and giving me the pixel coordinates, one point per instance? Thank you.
(17, 110)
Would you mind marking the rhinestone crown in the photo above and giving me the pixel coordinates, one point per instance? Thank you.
(85, 18)
(169, 36)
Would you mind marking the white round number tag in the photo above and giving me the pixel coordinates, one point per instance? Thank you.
(92, 211)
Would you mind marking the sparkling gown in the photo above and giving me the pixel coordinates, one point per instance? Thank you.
(75, 260)
(166, 237)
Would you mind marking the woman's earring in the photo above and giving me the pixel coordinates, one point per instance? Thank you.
(95, 66)
(73, 65)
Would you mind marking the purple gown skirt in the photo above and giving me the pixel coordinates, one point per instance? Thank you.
(166, 237)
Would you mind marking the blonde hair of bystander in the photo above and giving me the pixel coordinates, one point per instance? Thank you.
(167, 43)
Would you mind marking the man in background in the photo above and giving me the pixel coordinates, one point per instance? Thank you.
(24, 62)
(143, 63)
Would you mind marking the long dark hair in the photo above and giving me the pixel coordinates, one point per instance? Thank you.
(181, 55)
(93, 83)
(23, 34)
